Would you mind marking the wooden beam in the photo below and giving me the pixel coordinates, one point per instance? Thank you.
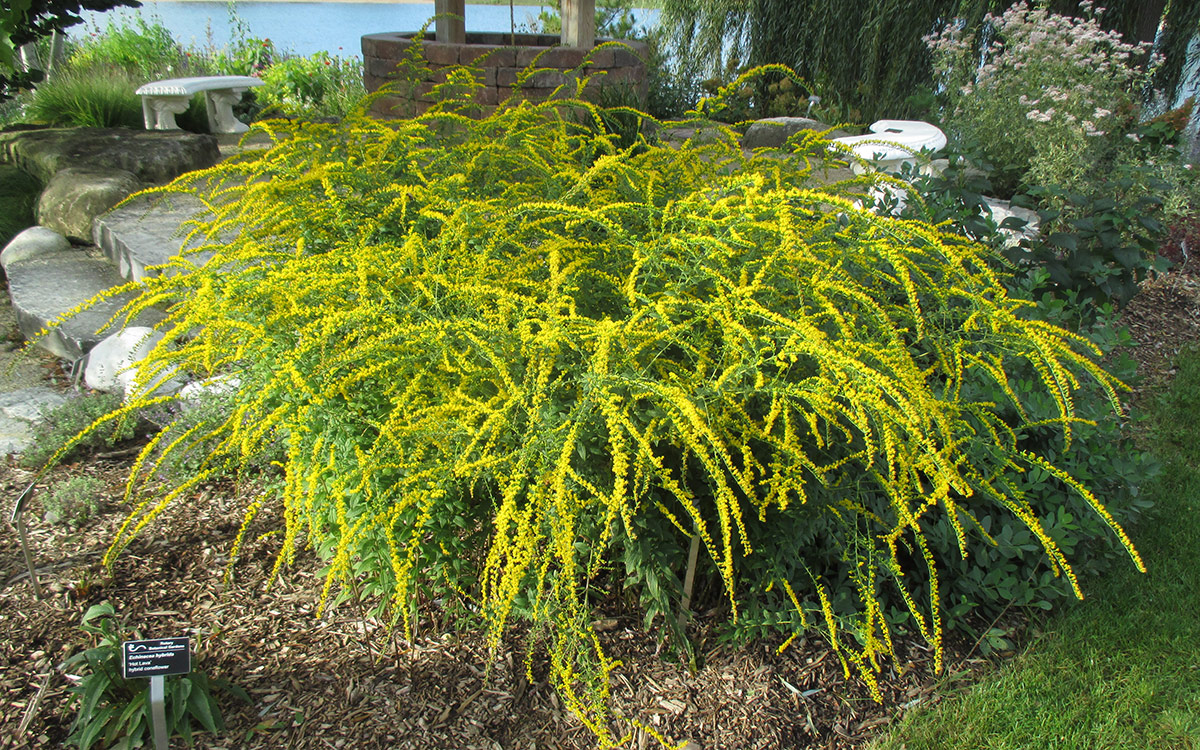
(446, 28)
(579, 23)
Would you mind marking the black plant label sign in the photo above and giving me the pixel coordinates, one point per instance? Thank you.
(156, 657)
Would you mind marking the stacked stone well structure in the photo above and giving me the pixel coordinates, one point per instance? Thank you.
(502, 62)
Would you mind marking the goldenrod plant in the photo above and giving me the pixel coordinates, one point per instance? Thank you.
(499, 355)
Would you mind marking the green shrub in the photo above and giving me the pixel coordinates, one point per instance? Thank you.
(315, 86)
(1051, 101)
(244, 55)
(73, 501)
(143, 49)
(57, 433)
(508, 360)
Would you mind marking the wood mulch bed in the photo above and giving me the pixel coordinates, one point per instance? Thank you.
(340, 681)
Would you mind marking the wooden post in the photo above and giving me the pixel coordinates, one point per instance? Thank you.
(579, 23)
(446, 29)
(689, 578)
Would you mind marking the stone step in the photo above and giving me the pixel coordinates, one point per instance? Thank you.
(44, 287)
(146, 232)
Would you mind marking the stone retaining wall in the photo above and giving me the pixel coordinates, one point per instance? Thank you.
(500, 66)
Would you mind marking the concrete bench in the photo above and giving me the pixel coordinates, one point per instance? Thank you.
(162, 100)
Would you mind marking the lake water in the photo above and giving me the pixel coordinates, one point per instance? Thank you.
(305, 28)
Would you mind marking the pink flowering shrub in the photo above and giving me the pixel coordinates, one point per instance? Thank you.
(1052, 98)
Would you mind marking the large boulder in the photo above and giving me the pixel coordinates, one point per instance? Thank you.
(46, 287)
(31, 243)
(74, 197)
(774, 132)
(20, 412)
(112, 365)
(153, 156)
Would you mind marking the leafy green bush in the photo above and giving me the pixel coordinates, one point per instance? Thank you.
(244, 55)
(318, 85)
(1054, 96)
(74, 500)
(58, 435)
(115, 711)
(144, 49)
(511, 361)
(95, 88)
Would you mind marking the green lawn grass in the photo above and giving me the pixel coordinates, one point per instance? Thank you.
(1122, 668)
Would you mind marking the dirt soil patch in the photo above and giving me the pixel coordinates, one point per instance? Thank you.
(340, 680)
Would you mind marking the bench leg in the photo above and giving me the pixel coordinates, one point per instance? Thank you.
(159, 112)
(220, 111)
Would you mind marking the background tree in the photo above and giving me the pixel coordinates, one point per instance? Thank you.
(1141, 21)
(867, 59)
(26, 21)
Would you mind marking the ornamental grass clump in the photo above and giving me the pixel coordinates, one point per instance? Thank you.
(499, 357)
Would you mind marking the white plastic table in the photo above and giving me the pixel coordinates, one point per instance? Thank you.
(892, 143)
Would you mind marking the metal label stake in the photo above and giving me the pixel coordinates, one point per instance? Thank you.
(158, 711)
(156, 659)
(18, 517)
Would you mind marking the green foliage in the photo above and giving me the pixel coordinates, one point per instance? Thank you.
(18, 196)
(1051, 102)
(614, 19)
(143, 49)
(108, 65)
(1115, 671)
(25, 21)
(242, 57)
(319, 85)
(1099, 242)
(115, 712)
(73, 500)
(865, 60)
(92, 98)
(63, 424)
(1012, 571)
(509, 358)
(245, 55)
(1099, 246)
(708, 39)
(95, 88)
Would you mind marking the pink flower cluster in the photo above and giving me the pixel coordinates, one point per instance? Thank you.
(1057, 68)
